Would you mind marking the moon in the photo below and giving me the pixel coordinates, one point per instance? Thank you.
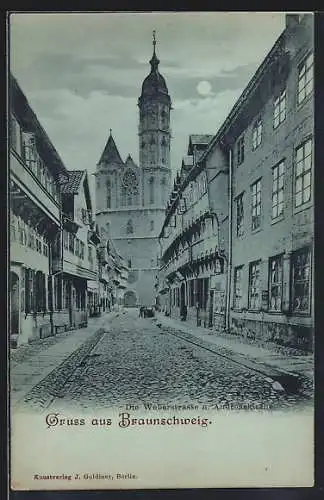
(204, 87)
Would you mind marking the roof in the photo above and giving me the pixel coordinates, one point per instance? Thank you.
(29, 121)
(110, 153)
(276, 50)
(154, 83)
(72, 186)
(200, 139)
(130, 162)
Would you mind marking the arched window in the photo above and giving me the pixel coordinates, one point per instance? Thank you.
(108, 199)
(151, 190)
(129, 227)
(123, 195)
(129, 189)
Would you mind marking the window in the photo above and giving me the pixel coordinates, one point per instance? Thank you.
(278, 173)
(129, 188)
(275, 283)
(256, 135)
(45, 249)
(151, 190)
(256, 204)
(98, 183)
(123, 196)
(71, 242)
(129, 227)
(279, 114)
(81, 250)
(31, 238)
(66, 239)
(15, 138)
(237, 299)
(254, 286)
(108, 200)
(303, 173)
(129, 263)
(240, 150)
(38, 244)
(77, 247)
(301, 284)
(305, 78)
(152, 225)
(90, 258)
(239, 215)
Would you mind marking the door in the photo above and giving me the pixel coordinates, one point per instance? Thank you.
(14, 303)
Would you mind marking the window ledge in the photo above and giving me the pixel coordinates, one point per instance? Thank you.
(277, 219)
(305, 206)
(257, 230)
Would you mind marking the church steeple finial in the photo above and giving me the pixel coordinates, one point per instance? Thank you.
(154, 62)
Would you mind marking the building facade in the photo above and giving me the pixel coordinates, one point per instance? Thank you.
(131, 199)
(259, 169)
(192, 280)
(57, 276)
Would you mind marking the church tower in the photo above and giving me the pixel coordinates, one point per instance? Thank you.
(154, 133)
(131, 199)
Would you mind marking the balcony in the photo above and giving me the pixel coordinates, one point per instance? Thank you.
(29, 184)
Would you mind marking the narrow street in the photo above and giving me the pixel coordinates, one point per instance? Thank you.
(136, 362)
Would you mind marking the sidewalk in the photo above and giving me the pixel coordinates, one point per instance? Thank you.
(31, 363)
(287, 369)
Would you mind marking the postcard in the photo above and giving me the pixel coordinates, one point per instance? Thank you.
(161, 250)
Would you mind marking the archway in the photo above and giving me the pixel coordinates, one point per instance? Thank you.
(130, 299)
(14, 303)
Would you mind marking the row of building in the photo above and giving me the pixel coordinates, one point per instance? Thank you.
(62, 269)
(237, 241)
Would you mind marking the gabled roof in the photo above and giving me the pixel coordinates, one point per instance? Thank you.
(130, 162)
(73, 184)
(110, 153)
(29, 122)
(77, 179)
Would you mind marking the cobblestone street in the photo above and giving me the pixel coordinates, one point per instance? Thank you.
(135, 362)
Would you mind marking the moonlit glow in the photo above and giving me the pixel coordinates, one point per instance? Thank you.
(204, 88)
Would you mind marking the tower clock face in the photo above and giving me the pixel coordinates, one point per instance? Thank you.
(130, 181)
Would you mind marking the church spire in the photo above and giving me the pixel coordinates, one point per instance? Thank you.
(154, 62)
(110, 153)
